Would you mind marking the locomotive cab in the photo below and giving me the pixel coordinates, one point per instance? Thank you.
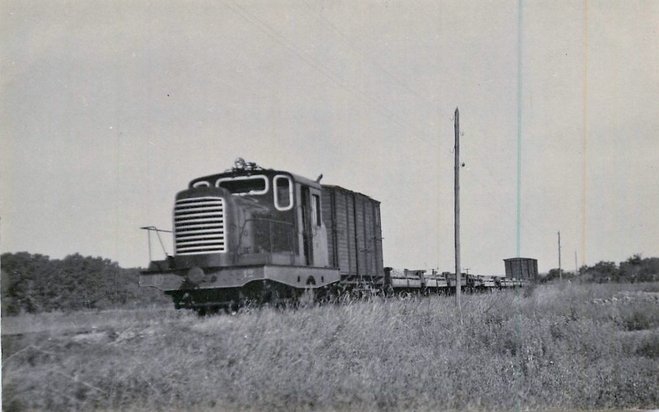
(245, 233)
(267, 217)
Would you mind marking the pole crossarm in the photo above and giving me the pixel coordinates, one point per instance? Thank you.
(155, 229)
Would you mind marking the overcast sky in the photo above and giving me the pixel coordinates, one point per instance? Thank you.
(109, 108)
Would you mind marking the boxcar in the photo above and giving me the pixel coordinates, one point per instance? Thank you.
(354, 234)
(521, 268)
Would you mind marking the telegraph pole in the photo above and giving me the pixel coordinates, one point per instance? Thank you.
(458, 271)
(560, 275)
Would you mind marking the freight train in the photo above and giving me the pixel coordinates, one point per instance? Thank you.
(255, 234)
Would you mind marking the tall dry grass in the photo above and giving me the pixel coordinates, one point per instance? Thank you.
(559, 346)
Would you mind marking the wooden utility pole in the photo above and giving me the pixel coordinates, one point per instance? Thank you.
(576, 265)
(458, 271)
(560, 275)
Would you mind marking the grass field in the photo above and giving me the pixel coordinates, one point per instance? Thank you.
(555, 347)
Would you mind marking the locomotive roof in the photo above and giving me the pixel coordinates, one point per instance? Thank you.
(271, 172)
(252, 172)
(336, 187)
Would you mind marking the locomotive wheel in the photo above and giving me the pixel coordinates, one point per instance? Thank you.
(307, 298)
(207, 310)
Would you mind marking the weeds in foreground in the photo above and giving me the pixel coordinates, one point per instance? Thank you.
(557, 347)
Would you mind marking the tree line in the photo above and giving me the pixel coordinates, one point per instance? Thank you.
(634, 269)
(36, 283)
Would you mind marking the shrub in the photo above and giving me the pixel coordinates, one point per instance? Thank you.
(36, 283)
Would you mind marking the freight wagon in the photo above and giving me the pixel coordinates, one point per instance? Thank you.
(417, 281)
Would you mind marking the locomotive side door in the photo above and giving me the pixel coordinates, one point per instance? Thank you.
(314, 236)
(307, 243)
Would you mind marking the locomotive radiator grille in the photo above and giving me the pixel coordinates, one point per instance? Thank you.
(199, 226)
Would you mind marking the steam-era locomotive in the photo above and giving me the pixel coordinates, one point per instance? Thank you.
(255, 234)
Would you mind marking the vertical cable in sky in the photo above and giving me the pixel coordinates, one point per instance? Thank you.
(584, 148)
(519, 127)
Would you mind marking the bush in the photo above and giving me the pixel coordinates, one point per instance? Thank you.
(36, 283)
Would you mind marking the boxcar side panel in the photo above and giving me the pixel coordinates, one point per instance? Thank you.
(337, 219)
(327, 210)
(369, 238)
(367, 250)
(377, 225)
(354, 232)
(521, 268)
(358, 209)
(351, 234)
(343, 243)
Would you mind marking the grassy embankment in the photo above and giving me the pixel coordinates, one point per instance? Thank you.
(559, 347)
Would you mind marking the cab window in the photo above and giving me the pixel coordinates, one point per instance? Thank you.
(244, 185)
(283, 192)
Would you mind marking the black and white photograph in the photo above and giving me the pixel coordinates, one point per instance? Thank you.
(315, 205)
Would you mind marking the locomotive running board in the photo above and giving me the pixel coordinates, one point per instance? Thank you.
(301, 277)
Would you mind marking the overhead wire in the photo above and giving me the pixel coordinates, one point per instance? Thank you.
(275, 36)
(491, 176)
(351, 44)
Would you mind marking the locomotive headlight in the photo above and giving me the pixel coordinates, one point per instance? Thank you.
(195, 275)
